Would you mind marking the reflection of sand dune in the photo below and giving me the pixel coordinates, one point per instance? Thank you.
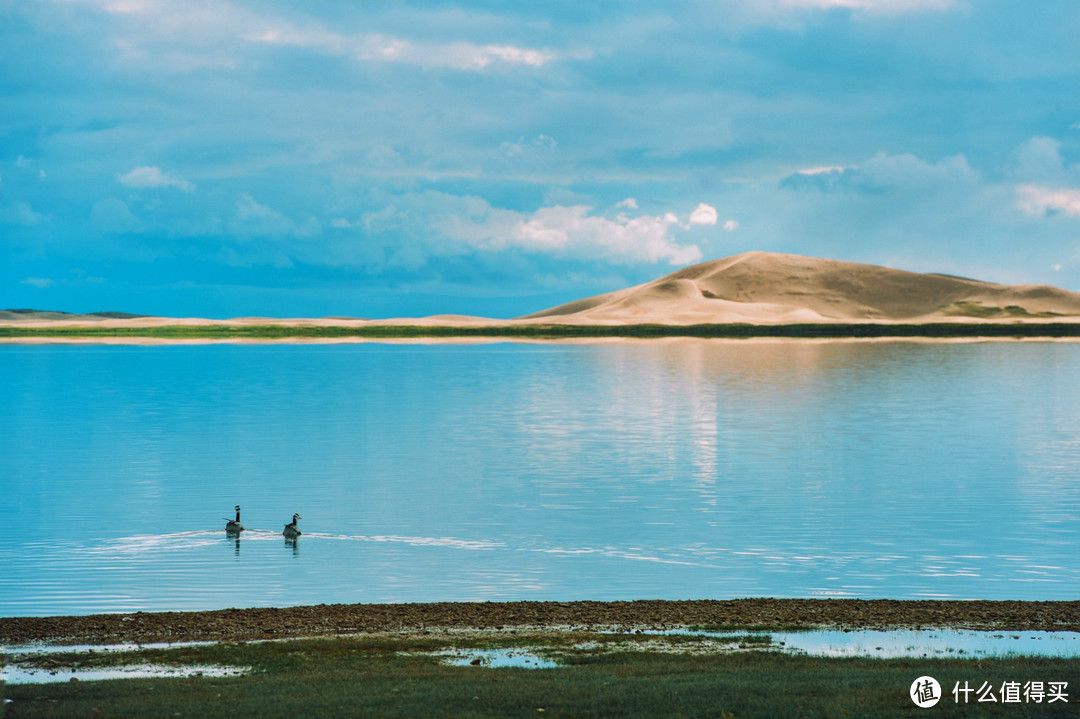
(754, 287)
(766, 288)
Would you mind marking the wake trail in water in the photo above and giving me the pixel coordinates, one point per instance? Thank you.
(180, 541)
(177, 544)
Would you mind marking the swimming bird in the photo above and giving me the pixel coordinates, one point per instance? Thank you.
(291, 530)
(233, 526)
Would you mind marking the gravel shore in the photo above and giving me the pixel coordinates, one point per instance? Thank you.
(321, 620)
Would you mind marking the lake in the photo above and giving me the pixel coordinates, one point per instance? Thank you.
(665, 469)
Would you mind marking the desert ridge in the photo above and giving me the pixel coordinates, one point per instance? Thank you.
(756, 288)
(772, 288)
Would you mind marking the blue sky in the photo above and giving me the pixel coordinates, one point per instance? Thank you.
(223, 158)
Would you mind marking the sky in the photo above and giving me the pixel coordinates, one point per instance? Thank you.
(389, 158)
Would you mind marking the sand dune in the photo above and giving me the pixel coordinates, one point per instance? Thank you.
(754, 288)
(770, 288)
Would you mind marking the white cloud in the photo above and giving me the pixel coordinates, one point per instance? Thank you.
(459, 55)
(571, 232)
(188, 36)
(146, 177)
(455, 55)
(248, 209)
(20, 213)
(703, 215)
(1038, 200)
(39, 282)
(562, 196)
(383, 156)
(480, 57)
(255, 218)
(113, 216)
(794, 14)
(910, 171)
(885, 172)
(878, 6)
(629, 203)
(1039, 159)
(384, 220)
(125, 8)
(731, 225)
(374, 47)
(811, 171)
(538, 150)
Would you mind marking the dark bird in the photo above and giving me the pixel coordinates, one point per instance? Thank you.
(233, 526)
(291, 531)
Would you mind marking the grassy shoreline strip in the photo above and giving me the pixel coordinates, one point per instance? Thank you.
(730, 331)
(598, 676)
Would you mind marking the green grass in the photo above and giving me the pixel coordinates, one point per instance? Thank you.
(967, 308)
(381, 677)
(717, 628)
(736, 331)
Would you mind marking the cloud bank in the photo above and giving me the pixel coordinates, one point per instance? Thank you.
(149, 177)
(574, 232)
(1044, 201)
(476, 149)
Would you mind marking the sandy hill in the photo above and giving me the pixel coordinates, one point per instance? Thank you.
(754, 288)
(770, 288)
(43, 315)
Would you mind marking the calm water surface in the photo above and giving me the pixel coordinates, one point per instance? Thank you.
(669, 469)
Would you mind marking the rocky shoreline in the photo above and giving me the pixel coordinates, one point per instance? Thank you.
(338, 619)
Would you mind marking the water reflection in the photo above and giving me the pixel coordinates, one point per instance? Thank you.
(671, 469)
(499, 659)
(895, 644)
(14, 673)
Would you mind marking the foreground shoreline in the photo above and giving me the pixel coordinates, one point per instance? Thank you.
(338, 619)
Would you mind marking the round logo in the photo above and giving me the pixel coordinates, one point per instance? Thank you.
(925, 692)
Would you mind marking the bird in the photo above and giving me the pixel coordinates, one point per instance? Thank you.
(233, 526)
(291, 530)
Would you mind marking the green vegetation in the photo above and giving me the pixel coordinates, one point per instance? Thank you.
(972, 309)
(718, 628)
(603, 675)
(967, 308)
(544, 332)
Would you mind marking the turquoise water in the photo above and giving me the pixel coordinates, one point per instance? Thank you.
(669, 469)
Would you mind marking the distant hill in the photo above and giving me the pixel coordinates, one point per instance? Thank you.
(754, 288)
(771, 288)
(37, 315)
